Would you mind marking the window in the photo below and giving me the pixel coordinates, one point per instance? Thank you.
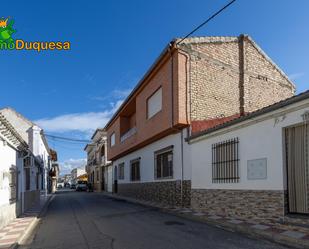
(98, 176)
(135, 170)
(113, 139)
(164, 163)
(154, 103)
(121, 171)
(102, 154)
(225, 161)
(27, 162)
(13, 184)
(27, 176)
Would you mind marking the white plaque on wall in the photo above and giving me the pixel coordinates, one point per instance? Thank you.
(257, 169)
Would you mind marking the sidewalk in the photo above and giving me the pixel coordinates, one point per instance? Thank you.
(18, 228)
(288, 235)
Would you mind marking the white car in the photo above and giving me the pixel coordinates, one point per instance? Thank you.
(60, 185)
(81, 186)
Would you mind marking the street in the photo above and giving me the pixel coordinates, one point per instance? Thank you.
(91, 220)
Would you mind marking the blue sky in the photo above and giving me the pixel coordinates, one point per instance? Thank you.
(70, 93)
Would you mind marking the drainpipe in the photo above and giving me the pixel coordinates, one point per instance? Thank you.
(22, 183)
(182, 169)
(171, 48)
(241, 45)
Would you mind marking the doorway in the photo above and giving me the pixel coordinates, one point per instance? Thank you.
(296, 139)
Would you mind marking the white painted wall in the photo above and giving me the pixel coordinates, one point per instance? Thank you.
(31, 133)
(110, 179)
(147, 159)
(38, 148)
(261, 139)
(8, 158)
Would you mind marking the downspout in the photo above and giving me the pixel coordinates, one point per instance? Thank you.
(241, 47)
(187, 120)
(182, 169)
(171, 47)
(22, 183)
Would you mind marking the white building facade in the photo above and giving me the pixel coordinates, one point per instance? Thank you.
(167, 187)
(76, 173)
(37, 163)
(99, 170)
(12, 151)
(255, 166)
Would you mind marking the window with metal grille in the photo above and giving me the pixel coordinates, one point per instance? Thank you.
(135, 170)
(164, 163)
(225, 161)
(121, 171)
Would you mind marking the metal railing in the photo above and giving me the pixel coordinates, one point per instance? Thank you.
(128, 134)
(225, 161)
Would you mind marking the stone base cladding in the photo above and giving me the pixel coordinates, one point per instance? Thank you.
(245, 204)
(166, 192)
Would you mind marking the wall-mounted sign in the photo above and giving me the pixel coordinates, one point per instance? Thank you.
(257, 169)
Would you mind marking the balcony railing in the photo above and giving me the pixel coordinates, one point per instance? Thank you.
(102, 159)
(128, 134)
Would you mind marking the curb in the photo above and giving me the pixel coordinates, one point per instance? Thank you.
(33, 224)
(250, 233)
(246, 231)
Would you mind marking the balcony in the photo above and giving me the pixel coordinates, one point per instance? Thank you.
(128, 134)
(102, 159)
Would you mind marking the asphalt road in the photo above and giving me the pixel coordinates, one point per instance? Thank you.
(81, 220)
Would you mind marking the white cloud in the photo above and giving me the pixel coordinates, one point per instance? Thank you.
(295, 76)
(121, 94)
(115, 94)
(67, 166)
(83, 122)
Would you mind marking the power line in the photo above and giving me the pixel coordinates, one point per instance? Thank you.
(209, 19)
(67, 139)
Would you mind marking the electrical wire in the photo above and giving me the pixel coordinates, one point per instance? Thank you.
(67, 139)
(209, 19)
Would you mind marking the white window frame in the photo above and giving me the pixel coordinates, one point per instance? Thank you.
(121, 171)
(158, 154)
(154, 102)
(112, 139)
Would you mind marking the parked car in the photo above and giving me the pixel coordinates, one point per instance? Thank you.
(89, 187)
(60, 185)
(81, 186)
(73, 186)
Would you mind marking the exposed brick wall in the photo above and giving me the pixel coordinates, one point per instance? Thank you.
(215, 80)
(212, 78)
(264, 84)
